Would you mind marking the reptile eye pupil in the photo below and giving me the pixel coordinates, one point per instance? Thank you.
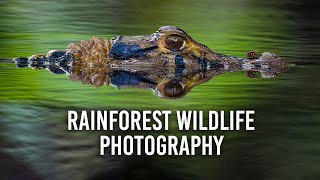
(174, 42)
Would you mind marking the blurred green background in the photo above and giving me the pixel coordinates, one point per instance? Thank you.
(33, 104)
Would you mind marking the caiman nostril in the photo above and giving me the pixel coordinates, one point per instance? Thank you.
(37, 61)
(55, 53)
(21, 62)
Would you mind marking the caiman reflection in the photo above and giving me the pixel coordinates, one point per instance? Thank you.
(169, 62)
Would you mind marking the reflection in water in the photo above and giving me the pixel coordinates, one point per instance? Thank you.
(169, 62)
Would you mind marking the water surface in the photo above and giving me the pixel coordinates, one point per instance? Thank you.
(34, 104)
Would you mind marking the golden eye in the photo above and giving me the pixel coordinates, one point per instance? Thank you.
(174, 42)
(173, 89)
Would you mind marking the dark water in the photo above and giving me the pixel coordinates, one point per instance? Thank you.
(33, 105)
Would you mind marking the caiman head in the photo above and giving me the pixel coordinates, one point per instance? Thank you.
(174, 61)
(169, 45)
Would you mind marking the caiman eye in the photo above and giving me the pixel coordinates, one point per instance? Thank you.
(173, 89)
(174, 42)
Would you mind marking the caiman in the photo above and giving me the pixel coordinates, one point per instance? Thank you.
(168, 61)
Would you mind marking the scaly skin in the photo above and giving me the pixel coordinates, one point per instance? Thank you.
(168, 61)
